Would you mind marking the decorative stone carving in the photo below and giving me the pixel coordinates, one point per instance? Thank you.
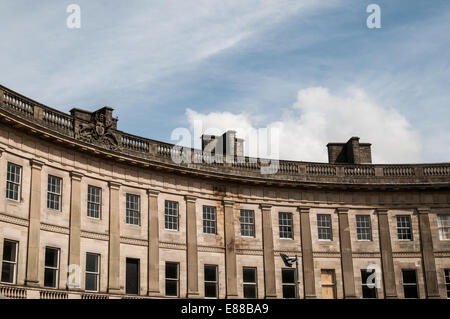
(101, 130)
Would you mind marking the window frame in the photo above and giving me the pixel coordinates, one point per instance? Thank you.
(248, 283)
(443, 229)
(330, 227)
(283, 284)
(290, 232)
(216, 282)
(363, 228)
(59, 196)
(212, 222)
(447, 281)
(177, 280)
(14, 183)
(333, 284)
(168, 215)
(99, 204)
(416, 284)
(365, 285)
(244, 221)
(96, 274)
(400, 234)
(131, 212)
(15, 262)
(53, 268)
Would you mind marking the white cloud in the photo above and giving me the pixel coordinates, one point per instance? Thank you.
(318, 117)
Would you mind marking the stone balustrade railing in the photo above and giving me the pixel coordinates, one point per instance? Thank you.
(12, 292)
(147, 149)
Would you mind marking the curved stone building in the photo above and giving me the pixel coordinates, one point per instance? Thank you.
(89, 211)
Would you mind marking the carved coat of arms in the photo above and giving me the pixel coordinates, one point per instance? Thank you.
(100, 131)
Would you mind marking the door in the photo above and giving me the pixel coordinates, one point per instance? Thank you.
(132, 276)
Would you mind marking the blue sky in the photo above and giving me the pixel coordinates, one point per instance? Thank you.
(311, 68)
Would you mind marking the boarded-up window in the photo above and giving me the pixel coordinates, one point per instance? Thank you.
(327, 279)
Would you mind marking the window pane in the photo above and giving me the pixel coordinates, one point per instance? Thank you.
(9, 250)
(249, 275)
(172, 270)
(171, 215)
(210, 290)
(288, 275)
(91, 262)
(410, 291)
(7, 272)
(50, 277)
(324, 226)
(288, 291)
(409, 276)
(91, 282)
(210, 273)
(51, 257)
(249, 291)
(247, 220)
(171, 288)
(369, 292)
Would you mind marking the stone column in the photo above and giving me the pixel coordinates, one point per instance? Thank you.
(34, 227)
(114, 238)
(191, 241)
(429, 265)
(153, 243)
(390, 291)
(345, 241)
(230, 252)
(269, 261)
(307, 254)
(75, 225)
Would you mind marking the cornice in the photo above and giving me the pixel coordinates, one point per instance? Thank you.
(107, 142)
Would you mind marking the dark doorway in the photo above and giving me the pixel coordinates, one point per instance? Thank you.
(132, 276)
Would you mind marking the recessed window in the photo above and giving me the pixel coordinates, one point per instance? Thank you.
(51, 272)
(410, 283)
(249, 282)
(13, 178)
(92, 272)
(444, 227)
(288, 282)
(209, 220)
(133, 209)
(247, 220)
(363, 227)
(9, 264)
(328, 282)
(447, 281)
(54, 192)
(94, 201)
(172, 279)
(285, 224)
(404, 231)
(324, 227)
(211, 282)
(368, 283)
(171, 215)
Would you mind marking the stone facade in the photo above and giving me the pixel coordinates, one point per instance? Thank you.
(44, 141)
